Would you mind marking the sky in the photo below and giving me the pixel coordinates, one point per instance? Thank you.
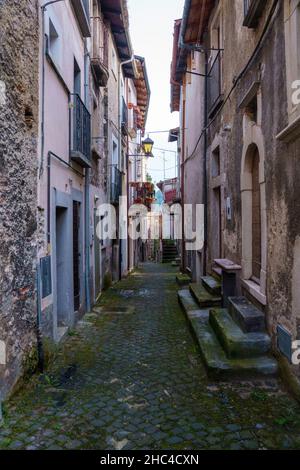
(151, 30)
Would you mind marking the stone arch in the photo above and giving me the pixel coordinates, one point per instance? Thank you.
(253, 144)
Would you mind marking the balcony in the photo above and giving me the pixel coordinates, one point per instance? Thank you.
(124, 123)
(215, 97)
(99, 55)
(252, 10)
(80, 132)
(81, 10)
(116, 184)
(143, 193)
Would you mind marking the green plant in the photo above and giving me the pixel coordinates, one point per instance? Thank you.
(72, 332)
(283, 420)
(259, 395)
(30, 363)
(50, 350)
(107, 281)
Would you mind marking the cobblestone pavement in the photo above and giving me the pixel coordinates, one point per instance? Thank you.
(130, 377)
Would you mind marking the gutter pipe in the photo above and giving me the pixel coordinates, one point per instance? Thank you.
(44, 8)
(121, 64)
(87, 191)
(190, 47)
(205, 148)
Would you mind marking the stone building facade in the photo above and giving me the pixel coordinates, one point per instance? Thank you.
(246, 147)
(19, 118)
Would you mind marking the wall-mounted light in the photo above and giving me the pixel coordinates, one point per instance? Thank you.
(147, 145)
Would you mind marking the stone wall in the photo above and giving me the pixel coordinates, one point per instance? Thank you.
(19, 43)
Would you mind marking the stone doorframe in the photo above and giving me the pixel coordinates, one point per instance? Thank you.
(253, 140)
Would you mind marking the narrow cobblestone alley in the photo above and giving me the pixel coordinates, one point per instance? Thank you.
(130, 377)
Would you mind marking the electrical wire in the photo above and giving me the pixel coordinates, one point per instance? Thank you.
(162, 170)
(291, 14)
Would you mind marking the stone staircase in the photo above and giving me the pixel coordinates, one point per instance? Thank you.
(169, 251)
(233, 342)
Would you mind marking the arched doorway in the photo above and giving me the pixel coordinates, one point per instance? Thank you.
(254, 221)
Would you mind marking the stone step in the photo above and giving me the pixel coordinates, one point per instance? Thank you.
(211, 285)
(217, 273)
(235, 342)
(183, 279)
(246, 315)
(166, 243)
(203, 297)
(218, 365)
(187, 301)
(174, 264)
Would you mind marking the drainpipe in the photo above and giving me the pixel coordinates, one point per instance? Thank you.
(190, 47)
(182, 44)
(205, 195)
(40, 350)
(121, 64)
(44, 8)
(39, 335)
(127, 191)
(87, 191)
(119, 95)
(183, 189)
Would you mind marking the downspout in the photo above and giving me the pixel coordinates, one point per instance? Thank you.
(121, 64)
(127, 190)
(183, 186)
(87, 191)
(205, 195)
(39, 335)
(44, 8)
(190, 47)
(183, 45)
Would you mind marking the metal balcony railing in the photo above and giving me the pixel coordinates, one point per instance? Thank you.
(100, 42)
(214, 84)
(80, 132)
(116, 184)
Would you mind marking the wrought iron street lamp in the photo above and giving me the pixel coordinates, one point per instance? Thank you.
(147, 146)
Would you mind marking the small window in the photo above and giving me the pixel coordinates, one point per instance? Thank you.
(215, 163)
(251, 110)
(246, 7)
(252, 12)
(77, 78)
(113, 61)
(86, 7)
(54, 43)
